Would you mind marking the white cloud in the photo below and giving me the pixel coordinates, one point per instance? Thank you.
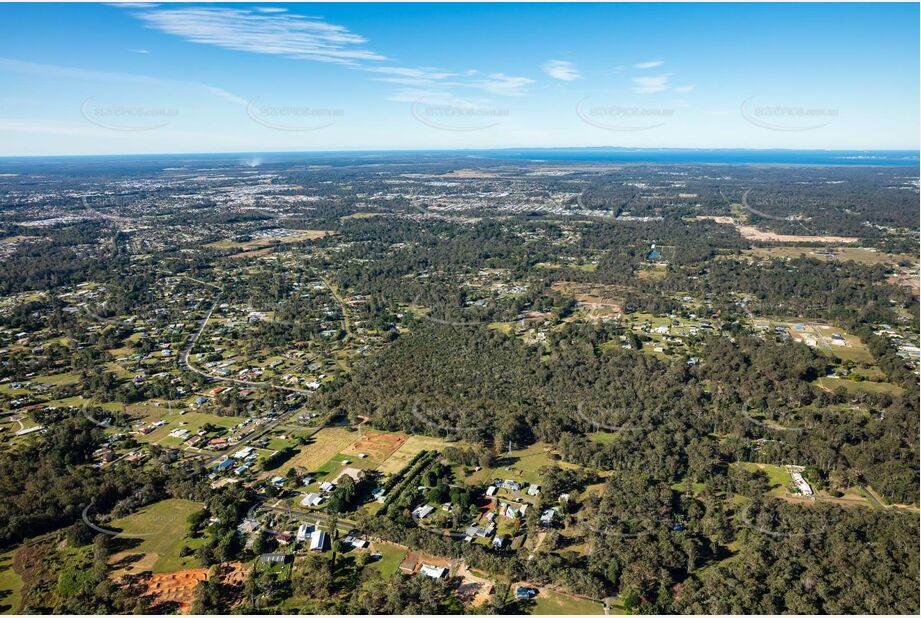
(650, 85)
(562, 70)
(651, 64)
(408, 72)
(499, 83)
(283, 34)
(267, 31)
(139, 51)
(684, 89)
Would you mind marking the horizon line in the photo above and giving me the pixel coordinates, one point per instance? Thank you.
(915, 150)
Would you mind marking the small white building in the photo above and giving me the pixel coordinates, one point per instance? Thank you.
(435, 572)
(802, 485)
(312, 499)
(317, 540)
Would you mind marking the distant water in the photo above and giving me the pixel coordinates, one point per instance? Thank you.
(888, 158)
(254, 161)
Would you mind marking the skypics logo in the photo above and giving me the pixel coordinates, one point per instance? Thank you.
(787, 118)
(610, 420)
(127, 118)
(293, 118)
(457, 423)
(623, 118)
(457, 117)
(773, 426)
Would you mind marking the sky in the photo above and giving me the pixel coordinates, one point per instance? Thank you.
(151, 78)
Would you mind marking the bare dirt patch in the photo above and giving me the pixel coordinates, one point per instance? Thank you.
(598, 300)
(472, 590)
(750, 232)
(176, 591)
(377, 446)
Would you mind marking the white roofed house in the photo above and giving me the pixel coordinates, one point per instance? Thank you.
(312, 499)
(435, 572)
(802, 485)
(318, 540)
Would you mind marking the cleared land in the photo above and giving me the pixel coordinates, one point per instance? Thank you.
(777, 475)
(750, 232)
(10, 585)
(519, 465)
(842, 254)
(391, 557)
(325, 444)
(550, 602)
(412, 447)
(161, 529)
(597, 300)
(865, 386)
(376, 446)
(175, 591)
(261, 243)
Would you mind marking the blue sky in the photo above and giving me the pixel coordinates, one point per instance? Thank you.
(164, 78)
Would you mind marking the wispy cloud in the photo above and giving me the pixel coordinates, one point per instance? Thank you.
(267, 30)
(139, 51)
(562, 70)
(651, 64)
(412, 73)
(282, 34)
(56, 71)
(684, 89)
(651, 85)
(506, 85)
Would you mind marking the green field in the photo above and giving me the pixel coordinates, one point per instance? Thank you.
(391, 557)
(853, 386)
(162, 530)
(58, 379)
(10, 585)
(521, 465)
(549, 602)
(190, 421)
(605, 437)
(777, 475)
